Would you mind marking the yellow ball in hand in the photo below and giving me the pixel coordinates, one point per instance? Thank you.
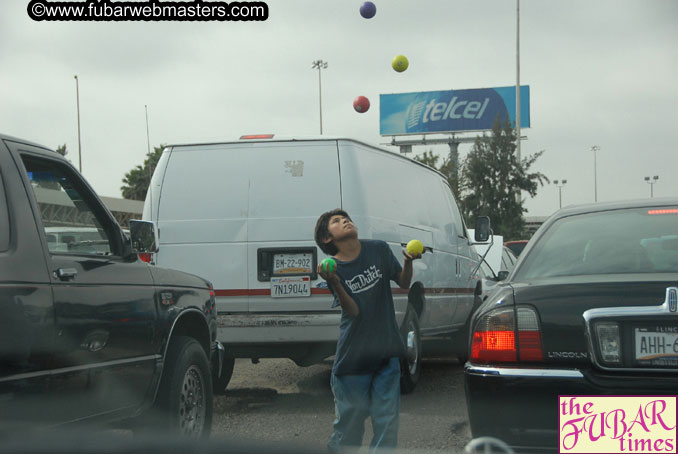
(414, 247)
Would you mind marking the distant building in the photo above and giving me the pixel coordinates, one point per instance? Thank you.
(532, 224)
(62, 211)
(124, 209)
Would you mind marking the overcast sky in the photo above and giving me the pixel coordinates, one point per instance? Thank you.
(600, 73)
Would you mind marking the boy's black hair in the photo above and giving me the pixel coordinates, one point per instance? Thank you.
(322, 231)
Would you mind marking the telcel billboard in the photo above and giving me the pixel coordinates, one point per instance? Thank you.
(453, 110)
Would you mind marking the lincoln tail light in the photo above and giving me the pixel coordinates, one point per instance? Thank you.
(145, 257)
(212, 297)
(494, 339)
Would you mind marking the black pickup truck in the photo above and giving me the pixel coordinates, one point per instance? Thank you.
(88, 332)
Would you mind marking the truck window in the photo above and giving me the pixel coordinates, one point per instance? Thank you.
(4, 219)
(70, 223)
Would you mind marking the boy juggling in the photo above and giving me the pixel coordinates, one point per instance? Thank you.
(366, 372)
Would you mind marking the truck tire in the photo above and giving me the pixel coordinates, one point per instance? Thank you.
(221, 383)
(184, 402)
(410, 367)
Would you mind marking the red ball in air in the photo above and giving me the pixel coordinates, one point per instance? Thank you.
(361, 104)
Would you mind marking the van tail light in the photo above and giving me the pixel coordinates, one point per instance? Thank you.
(256, 136)
(145, 257)
(494, 339)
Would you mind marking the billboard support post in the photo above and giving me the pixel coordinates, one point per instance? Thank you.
(454, 170)
(453, 142)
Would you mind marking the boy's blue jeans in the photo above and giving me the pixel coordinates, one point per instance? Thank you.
(358, 396)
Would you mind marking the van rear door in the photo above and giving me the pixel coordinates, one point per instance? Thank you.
(294, 184)
(202, 216)
(222, 204)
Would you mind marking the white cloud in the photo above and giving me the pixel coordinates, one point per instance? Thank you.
(600, 73)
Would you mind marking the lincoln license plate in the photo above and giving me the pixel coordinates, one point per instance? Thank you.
(287, 287)
(658, 347)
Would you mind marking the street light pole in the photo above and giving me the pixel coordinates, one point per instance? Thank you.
(652, 182)
(148, 137)
(560, 191)
(518, 87)
(77, 99)
(148, 142)
(319, 64)
(518, 79)
(595, 148)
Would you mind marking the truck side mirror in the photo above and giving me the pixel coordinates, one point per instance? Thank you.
(482, 229)
(502, 275)
(144, 236)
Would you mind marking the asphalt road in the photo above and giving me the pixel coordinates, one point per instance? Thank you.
(277, 402)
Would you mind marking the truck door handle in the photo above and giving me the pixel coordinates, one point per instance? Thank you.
(65, 274)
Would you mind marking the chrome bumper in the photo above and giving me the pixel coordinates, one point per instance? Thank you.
(472, 369)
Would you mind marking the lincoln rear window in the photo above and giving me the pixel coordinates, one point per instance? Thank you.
(610, 242)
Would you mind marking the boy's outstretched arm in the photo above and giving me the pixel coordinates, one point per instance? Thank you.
(405, 277)
(347, 304)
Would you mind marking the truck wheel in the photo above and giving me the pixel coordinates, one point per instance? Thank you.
(220, 383)
(410, 368)
(184, 401)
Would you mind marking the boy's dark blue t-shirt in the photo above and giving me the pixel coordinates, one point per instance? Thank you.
(373, 336)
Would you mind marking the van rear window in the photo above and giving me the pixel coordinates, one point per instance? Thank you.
(255, 180)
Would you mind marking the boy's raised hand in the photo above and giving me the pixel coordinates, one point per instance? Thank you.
(330, 276)
(410, 257)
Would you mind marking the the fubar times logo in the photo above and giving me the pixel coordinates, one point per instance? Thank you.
(617, 424)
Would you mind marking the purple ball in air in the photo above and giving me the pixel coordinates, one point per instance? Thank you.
(368, 10)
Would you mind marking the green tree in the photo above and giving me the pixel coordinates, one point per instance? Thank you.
(493, 179)
(136, 181)
(61, 149)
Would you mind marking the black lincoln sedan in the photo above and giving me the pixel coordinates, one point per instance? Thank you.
(589, 309)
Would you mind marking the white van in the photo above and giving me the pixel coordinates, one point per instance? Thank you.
(242, 215)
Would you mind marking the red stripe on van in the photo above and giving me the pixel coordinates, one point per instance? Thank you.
(261, 292)
(242, 292)
(323, 291)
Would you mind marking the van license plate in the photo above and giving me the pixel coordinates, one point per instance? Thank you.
(287, 287)
(653, 346)
(300, 263)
